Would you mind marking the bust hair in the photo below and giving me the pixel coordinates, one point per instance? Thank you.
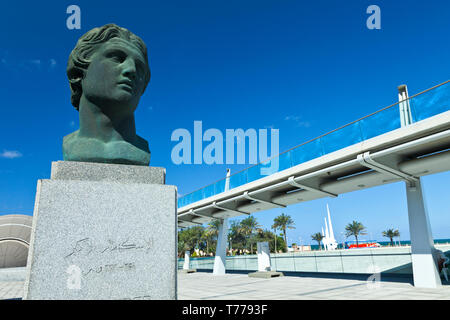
(79, 58)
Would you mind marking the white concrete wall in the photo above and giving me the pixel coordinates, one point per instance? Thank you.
(388, 260)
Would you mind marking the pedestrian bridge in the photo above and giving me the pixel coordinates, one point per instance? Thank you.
(403, 141)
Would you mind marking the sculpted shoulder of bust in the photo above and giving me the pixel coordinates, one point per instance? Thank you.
(108, 71)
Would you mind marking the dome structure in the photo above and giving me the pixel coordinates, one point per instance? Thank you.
(15, 232)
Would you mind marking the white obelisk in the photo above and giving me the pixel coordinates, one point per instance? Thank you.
(327, 235)
(324, 240)
(331, 240)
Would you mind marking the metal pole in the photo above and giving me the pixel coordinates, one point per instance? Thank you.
(275, 233)
(425, 270)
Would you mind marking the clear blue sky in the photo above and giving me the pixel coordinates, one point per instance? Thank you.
(303, 67)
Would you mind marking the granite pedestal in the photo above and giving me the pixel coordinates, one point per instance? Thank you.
(103, 231)
(264, 265)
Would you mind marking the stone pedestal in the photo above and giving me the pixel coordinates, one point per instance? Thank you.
(264, 265)
(263, 256)
(103, 231)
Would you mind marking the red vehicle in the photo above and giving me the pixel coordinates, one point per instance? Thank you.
(362, 244)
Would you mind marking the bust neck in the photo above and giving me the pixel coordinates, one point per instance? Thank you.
(106, 127)
(84, 149)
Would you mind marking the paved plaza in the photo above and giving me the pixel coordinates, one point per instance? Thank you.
(241, 287)
(206, 286)
(11, 289)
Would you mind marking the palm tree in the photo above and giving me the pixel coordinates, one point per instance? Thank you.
(283, 222)
(234, 234)
(248, 227)
(211, 233)
(214, 226)
(275, 236)
(269, 236)
(391, 233)
(208, 237)
(189, 237)
(355, 229)
(317, 237)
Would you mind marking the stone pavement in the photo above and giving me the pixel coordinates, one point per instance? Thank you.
(206, 286)
(11, 289)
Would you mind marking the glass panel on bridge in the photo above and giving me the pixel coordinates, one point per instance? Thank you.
(431, 103)
(341, 138)
(380, 122)
(306, 152)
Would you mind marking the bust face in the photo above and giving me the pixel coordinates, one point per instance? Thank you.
(115, 78)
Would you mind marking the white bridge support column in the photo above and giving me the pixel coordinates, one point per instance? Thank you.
(222, 239)
(221, 249)
(425, 270)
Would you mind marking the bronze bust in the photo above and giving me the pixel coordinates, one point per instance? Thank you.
(108, 71)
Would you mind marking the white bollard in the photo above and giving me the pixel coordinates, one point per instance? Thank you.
(187, 260)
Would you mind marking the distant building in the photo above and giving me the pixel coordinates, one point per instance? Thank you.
(296, 247)
(15, 232)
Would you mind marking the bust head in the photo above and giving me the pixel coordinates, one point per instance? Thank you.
(117, 56)
(108, 72)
